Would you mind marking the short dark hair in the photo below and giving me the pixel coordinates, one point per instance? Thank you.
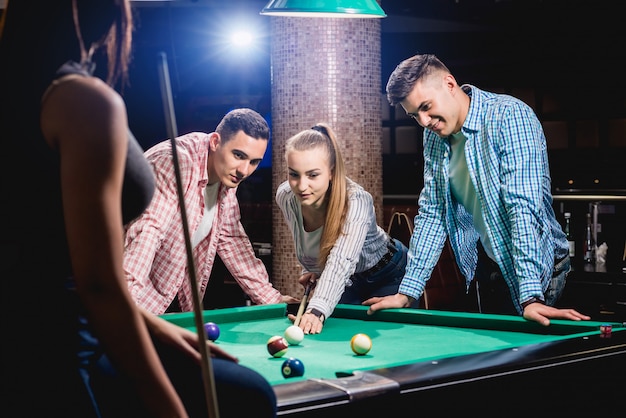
(408, 73)
(246, 120)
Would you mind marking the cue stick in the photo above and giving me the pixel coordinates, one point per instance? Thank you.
(170, 121)
(307, 290)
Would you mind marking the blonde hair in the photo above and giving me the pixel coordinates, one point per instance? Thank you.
(322, 136)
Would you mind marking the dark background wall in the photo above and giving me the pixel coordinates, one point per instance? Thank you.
(565, 58)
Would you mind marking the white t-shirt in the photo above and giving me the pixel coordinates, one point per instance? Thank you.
(311, 244)
(463, 190)
(210, 199)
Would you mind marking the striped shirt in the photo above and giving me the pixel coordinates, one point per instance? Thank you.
(155, 256)
(508, 165)
(362, 244)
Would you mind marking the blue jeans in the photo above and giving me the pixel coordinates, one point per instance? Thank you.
(557, 284)
(383, 282)
(494, 295)
(114, 396)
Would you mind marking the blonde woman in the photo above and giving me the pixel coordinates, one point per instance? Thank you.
(344, 254)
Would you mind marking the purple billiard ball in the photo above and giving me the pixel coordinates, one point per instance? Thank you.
(292, 367)
(212, 331)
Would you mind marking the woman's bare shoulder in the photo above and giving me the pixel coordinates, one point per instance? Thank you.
(80, 101)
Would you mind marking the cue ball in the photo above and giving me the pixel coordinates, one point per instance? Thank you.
(277, 346)
(361, 344)
(292, 367)
(212, 331)
(294, 335)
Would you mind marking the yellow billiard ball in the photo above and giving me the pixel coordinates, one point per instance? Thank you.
(361, 344)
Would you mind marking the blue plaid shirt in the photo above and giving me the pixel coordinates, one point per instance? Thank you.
(508, 166)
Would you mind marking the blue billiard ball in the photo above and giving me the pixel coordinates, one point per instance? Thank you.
(212, 331)
(292, 367)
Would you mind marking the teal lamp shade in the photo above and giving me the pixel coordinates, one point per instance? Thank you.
(324, 8)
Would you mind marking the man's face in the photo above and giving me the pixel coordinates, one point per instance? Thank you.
(234, 160)
(432, 105)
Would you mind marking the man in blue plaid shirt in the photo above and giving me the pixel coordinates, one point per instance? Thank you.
(487, 189)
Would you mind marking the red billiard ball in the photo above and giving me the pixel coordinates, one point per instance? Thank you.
(361, 344)
(292, 367)
(605, 330)
(277, 346)
(212, 331)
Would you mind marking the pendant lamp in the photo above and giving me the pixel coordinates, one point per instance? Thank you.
(324, 8)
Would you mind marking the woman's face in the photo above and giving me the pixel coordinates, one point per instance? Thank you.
(309, 175)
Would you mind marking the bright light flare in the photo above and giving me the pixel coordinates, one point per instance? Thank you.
(241, 39)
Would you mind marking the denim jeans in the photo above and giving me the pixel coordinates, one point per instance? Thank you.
(557, 284)
(113, 394)
(494, 295)
(385, 281)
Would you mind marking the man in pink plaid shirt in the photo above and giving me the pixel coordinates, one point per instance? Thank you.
(211, 167)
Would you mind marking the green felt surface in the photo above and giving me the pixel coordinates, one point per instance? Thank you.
(399, 337)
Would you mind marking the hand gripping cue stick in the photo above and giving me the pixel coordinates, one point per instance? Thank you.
(170, 121)
(303, 302)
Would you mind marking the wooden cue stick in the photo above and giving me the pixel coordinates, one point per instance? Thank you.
(307, 290)
(170, 120)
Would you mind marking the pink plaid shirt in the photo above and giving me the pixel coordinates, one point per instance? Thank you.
(155, 257)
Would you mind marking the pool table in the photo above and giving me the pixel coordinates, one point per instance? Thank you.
(431, 363)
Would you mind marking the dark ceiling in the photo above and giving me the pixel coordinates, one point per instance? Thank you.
(495, 13)
(492, 43)
(509, 38)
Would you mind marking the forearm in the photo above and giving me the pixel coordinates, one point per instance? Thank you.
(331, 284)
(523, 168)
(422, 257)
(250, 273)
(140, 248)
